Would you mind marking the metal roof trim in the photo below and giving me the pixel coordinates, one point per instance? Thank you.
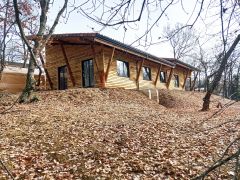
(96, 36)
(135, 50)
(183, 64)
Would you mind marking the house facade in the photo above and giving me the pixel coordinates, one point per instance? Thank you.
(93, 60)
(13, 78)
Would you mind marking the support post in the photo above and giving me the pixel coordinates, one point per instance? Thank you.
(150, 94)
(46, 71)
(109, 64)
(157, 95)
(101, 74)
(138, 73)
(169, 78)
(158, 72)
(68, 65)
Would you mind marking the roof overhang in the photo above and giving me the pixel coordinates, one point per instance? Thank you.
(91, 38)
(88, 38)
(183, 64)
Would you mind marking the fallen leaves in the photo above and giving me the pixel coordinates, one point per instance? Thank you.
(112, 133)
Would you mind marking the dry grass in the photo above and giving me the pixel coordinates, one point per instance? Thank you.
(113, 133)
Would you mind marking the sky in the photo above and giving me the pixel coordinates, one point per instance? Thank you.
(176, 13)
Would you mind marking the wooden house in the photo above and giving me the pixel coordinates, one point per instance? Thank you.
(93, 60)
(13, 78)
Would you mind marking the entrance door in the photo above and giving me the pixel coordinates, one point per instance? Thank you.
(88, 73)
(62, 78)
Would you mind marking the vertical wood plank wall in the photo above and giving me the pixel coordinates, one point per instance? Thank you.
(77, 54)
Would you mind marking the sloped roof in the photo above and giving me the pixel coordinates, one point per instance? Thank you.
(171, 62)
(183, 64)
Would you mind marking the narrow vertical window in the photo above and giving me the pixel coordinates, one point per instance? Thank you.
(176, 81)
(146, 73)
(62, 78)
(123, 68)
(163, 77)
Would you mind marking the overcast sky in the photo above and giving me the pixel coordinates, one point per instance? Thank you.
(77, 23)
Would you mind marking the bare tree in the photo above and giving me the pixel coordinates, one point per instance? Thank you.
(9, 37)
(182, 40)
(39, 41)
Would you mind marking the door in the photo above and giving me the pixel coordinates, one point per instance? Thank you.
(62, 78)
(88, 73)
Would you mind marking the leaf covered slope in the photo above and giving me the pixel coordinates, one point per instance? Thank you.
(113, 133)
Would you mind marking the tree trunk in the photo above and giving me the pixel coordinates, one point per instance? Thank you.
(3, 43)
(30, 83)
(218, 75)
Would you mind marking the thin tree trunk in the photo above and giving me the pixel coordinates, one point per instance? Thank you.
(217, 76)
(3, 43)
(224, 92)
(30, 82)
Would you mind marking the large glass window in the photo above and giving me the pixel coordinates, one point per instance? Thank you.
(176, 80)
(88, 73)
(146, 73)
(122, 68)
(163, 77)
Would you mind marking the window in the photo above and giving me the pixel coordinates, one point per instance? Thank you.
(62, 78)
(176, 81)
(163, 77)
(123, 68)
(88, 73)
(146, 73)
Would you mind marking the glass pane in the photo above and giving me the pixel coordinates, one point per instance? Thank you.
(163, 77)
(176, 82)
(146, 73)
(122, 68)
(88, 73)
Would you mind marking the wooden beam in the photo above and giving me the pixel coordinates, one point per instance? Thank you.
(101, 74)
(46, 71)
(185, 79)
(109, 64)
(195, 78)
(158, 72)
(94, 56)
(68, 65)
(169, 78)
(138, 73)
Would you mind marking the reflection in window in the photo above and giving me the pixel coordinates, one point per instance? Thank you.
(122, 68)
(163, 77)
(146, 73)
(176, 81)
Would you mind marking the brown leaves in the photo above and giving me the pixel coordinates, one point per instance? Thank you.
(110, 133)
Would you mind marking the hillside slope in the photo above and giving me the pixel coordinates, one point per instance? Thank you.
(113, 133)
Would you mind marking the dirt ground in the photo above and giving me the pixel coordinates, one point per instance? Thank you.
(115, 134)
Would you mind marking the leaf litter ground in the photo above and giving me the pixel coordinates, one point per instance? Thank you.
(114, 134)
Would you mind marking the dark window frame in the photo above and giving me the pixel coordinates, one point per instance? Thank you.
(176, 80)
(91, 82)
(65, 78)
(163, 80)
(147, 73)
(125, 67)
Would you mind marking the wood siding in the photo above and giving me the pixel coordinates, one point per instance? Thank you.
(101, 56)
(15, 82)
(75, 55)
